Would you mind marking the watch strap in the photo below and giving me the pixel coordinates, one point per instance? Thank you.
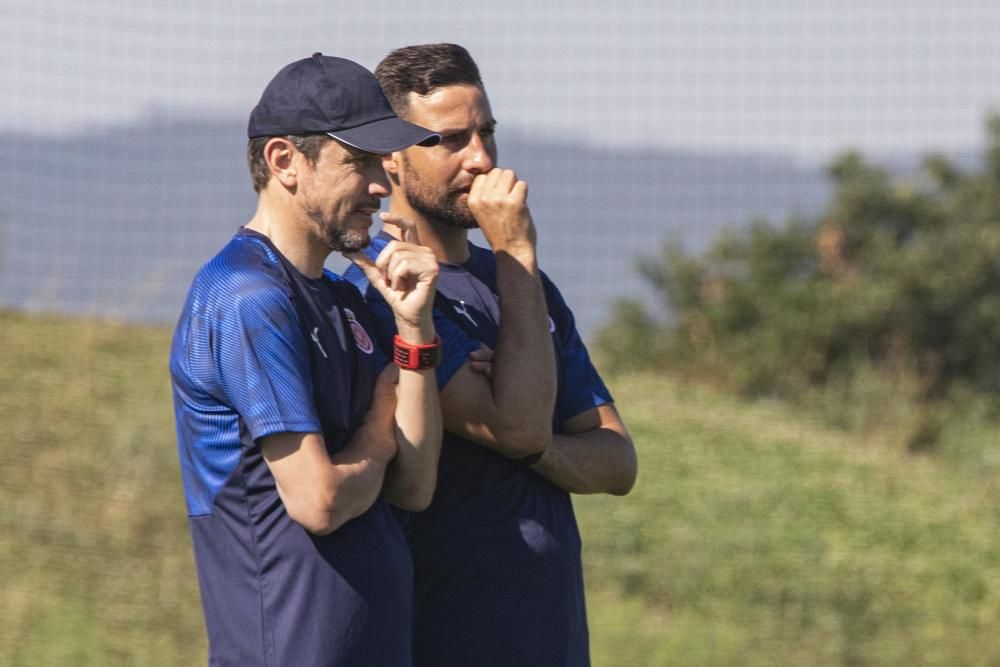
(416, 357)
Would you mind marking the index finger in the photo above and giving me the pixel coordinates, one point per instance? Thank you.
(367, 266)
(477, 186)
(410, 234)
(484, 353)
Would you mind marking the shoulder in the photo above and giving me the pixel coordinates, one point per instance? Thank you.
(561, 319)
(243, 266)
(245, 282)
(237, 293)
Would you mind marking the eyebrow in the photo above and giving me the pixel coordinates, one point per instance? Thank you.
(488, 125)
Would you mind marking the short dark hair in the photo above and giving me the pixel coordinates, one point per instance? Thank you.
(308, 144)
(420, 69)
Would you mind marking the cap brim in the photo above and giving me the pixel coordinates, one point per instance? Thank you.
(386, 135)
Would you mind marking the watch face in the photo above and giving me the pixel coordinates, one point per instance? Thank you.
(429, 358)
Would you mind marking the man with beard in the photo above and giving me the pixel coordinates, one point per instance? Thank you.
(288, 430)
(498, 577)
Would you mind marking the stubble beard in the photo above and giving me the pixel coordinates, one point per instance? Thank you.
(338, 237)
(441, 207)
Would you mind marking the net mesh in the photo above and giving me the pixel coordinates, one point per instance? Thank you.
(633, 123)
(752, 537)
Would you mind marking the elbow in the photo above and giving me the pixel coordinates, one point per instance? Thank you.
(315, 522)
(626, 479)
(316, 515)
(414, 501)
(520, 440)
(415, 496)
(410, 481)
(421, 498)
(623, 486)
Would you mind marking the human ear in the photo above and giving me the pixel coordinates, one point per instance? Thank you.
(391, 161)
(279, 154)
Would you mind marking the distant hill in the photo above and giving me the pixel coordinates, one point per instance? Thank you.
(116, 222)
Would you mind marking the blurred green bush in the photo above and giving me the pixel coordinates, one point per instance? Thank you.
(896, 286)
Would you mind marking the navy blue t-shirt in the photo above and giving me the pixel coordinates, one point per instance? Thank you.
(497, 571)
(262, 349)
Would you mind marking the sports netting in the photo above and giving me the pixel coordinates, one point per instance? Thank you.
(635, 123)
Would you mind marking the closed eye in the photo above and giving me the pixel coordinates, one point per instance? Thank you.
(461, 137)
(454, 137)
(364, 160)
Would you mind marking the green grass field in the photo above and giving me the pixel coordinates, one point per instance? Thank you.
(754, 536)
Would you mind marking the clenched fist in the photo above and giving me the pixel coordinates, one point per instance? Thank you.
(499, 203)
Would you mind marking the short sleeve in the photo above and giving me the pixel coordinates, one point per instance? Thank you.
(582, 387)
(262, 364)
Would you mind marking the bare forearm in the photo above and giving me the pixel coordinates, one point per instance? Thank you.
(412, 474)
(322, 492)
(405, 275)
(523, 388)
(355, 491)
(599, 460)
(359, 471)
(524, 369)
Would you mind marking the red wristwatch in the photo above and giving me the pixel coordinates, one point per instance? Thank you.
(416, 357)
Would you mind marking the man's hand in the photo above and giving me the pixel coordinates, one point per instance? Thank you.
(481, 361)
(511, 411)
(499, 202)
(405, 274)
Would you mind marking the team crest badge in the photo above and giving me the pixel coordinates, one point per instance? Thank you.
(361, 338)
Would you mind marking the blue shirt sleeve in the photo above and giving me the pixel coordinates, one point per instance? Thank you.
(582, 387)
(455, 347)
(262, 365)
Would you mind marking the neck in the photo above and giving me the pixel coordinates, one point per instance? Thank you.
(449, 244)
(291, 235)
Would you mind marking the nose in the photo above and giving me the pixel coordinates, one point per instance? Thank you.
(478, 158)
(378, 182)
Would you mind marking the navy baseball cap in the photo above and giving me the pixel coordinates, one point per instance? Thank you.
(336, 96)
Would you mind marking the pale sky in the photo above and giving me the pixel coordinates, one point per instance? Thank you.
(804, 78)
